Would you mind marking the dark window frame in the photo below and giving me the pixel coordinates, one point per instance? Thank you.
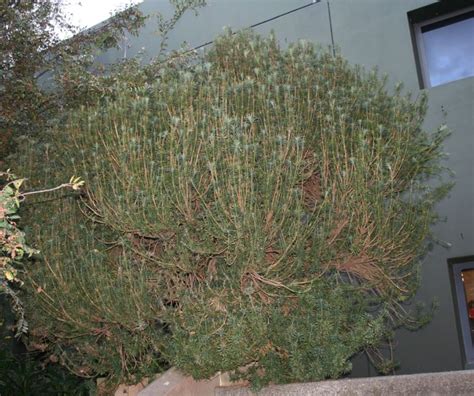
(433, 14)
(456, 266)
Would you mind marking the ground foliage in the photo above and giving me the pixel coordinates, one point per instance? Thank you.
(259, 210)
(26, 376)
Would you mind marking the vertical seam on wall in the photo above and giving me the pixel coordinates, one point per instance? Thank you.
(330, 29)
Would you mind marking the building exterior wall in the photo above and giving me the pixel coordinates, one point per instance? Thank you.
(370, 33)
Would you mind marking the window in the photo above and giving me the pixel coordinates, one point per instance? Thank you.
(444, 42)
(462, 281)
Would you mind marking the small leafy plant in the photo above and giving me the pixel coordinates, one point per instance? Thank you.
(13, 245)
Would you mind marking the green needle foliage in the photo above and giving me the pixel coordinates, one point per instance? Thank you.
(261, 211)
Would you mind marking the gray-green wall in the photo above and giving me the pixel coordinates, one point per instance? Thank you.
(370, 33)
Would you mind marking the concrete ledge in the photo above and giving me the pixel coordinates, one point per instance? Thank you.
(443, 384)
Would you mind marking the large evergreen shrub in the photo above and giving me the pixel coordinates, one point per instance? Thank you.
(262, 209)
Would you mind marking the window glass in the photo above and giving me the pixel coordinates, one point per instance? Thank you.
(449, 49)
(462, 277)
(467, 277)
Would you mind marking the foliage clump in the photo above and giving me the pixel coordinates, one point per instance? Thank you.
(33, 58)
(43, 75)
(261, 211)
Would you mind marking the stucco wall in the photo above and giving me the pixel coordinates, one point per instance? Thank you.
(370, 33)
